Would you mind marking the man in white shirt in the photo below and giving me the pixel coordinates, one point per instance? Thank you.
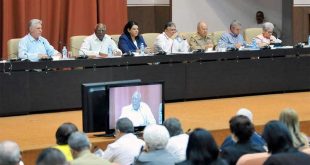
(177, 143)
(126, 146)
(165, 41)
(98, 44)
(138, 112)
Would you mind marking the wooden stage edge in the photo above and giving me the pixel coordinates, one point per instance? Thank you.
(37, 131)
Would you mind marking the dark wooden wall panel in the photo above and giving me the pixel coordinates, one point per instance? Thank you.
(301, 21)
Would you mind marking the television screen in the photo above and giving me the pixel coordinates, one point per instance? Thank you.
(143, 104)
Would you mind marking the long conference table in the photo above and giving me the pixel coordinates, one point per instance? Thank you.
(30, 87)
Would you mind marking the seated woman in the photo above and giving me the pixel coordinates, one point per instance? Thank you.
(290, 118)
(131, 40)
(266, 38)
(202, 149)
(280, 145)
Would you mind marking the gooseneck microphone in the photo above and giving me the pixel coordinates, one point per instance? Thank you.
(84, 56)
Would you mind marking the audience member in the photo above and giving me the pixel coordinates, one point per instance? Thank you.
(167, 43)
(280, 145)
(266, 38)
(202, 149)
(9, 153)
(131, 40)
(51, 156)
(33, 46)
(80, 148)
(201, 40)
(156, 138)
(126, 146)
(233, 38)
(255, 138)
(99, 43)
(178, 140)
(242, 130)
(290, 118)
(62, 135)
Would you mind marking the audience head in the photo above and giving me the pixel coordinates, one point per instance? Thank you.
(245, 112)
(135, 100)
(51, 156)
(241, 127)
(131, 29)
(123, 126)
(173, 126)
(35, 28)
(156, 137)
(290, 118)
(260, 17)
(235, 27)
(277, 137)
(170, 29)
(267, 29)
(9, 153)
(202, 28)
(63, 133)
(78, 142)
(100, 31)
(201, 147)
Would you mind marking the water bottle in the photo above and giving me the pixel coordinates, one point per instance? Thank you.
(64, 53)
(254, 44)
(110, 52)
(142, 49)
(309, 40)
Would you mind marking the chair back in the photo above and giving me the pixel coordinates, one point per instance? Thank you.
(115, 38)
(216, 36)
(149, 39)
(250, 33)
(13, 48)
(75, 43)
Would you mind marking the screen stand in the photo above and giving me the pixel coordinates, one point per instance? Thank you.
(106, 134)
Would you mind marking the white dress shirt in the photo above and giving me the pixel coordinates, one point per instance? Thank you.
(124, 149)
(177, 147)
(93, 46)
(164, 43)
(141, 117)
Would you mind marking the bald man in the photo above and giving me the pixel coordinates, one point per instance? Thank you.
(9, 153)
(201, 40)
(97, 44)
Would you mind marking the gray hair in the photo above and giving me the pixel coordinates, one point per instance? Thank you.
(51, 156)
(9, 153)
(173, 126)
(78, 141)
(156, 137)
(235, 23)
(136, 94)
(34, 22)
(124, 125)
(268, 26)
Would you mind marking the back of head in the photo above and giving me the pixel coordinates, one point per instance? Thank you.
(156, 137)
(9, 153)
(277, 137)
(173, 126)
(124, 125)
(245, 112)
(64, 132)
(51, 156)
(78, 141)
(201, 148)
(241, 127)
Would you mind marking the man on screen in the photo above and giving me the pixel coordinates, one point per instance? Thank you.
(138, 112)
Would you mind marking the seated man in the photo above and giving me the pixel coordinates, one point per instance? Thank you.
(234, 38)
(126, 146)
(266, 38)
(138, 112)
(177, 143)
(80, 148)
(201, 40)
(165, 41)
(98, 44)
(10, 153)
(33, 46)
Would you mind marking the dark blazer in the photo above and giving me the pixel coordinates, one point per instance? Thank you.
(295, 158)
(232, 153)
(126, 45)
(255, 139)
(156, 157)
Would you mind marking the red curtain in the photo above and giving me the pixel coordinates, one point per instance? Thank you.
(61, 18)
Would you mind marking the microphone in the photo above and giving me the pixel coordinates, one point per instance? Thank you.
(49, 58)
(84, 56)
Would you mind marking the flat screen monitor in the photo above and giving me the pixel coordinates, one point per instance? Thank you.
(143, 104)
(95, 105)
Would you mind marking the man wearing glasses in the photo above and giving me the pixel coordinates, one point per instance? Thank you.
(234, 38)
